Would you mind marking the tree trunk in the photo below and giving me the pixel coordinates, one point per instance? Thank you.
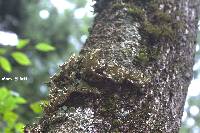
(132, 74)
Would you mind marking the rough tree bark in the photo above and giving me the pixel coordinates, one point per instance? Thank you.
(132, 74)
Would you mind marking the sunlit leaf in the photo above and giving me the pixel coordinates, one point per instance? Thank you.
(5, 64)
(44, 47)
(36, 107)
(3, 93)
(20, 100)
(44, 102)
(8, 130)
(22, 43)
(10, 117)
(8, 101)
(2, 51)
(21, 58)
(19, 127)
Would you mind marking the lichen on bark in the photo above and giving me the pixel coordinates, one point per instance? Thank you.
(132, 74)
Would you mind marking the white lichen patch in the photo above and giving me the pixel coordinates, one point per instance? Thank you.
(76, 120)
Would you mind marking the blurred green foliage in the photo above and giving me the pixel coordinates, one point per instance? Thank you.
(9, 119)
(9, 100)
(36, 107)
(43, 45)
(22, 43)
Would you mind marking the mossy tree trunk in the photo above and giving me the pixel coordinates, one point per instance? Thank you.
(132, 74)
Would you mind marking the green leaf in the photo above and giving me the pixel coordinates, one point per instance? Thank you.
(8, 104)
(5, 64)
(10, 117)
(21, 58)
(44, 47)
(36, 107)
(8, 130)
(19, 127)
(22, 43)
(20, 100)
(3, 93)
(8, 101)
(2, 51)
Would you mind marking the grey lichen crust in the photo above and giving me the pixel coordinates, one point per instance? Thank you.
(131, 74)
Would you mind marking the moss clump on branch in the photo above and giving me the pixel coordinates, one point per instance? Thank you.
(159, 23)
(143, 55)
(119, 5)
(157, 31)
(162, 17)
(137, 12)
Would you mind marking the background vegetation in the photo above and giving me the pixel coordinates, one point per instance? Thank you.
(44, 34)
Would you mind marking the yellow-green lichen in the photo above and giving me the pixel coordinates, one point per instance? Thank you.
(166, 31)
(178, 25)
(162, 17)
(143, 55)
(157, 31)
(116, 123)
(133, 10)
(153, 6)
(136, 12)
(119, 6)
